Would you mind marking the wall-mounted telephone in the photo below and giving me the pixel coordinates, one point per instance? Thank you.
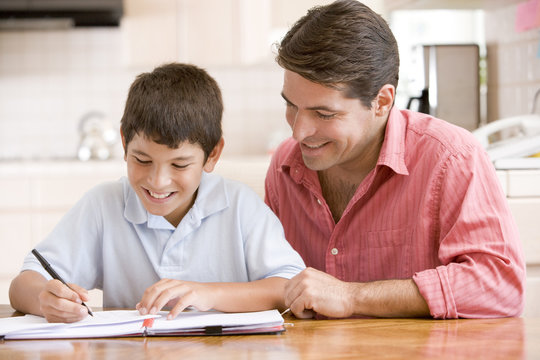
(523, 142)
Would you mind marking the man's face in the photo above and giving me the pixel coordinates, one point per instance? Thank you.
(332, 130)
(165, 180)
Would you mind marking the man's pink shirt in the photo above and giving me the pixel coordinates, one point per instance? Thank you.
(432, 210)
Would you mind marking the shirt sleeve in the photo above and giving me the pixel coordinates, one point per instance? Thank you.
(483, 270)
(72, 248)
(268, 253)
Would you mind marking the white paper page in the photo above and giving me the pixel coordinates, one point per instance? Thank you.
(110, 330)
(23, 322)
(200, 320)
(111, 317)
(91, 325)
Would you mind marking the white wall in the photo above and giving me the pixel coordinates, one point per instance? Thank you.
(49, 80)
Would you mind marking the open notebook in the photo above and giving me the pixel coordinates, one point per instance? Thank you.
(120, 323)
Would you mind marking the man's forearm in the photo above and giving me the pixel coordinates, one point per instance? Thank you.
(389, 298)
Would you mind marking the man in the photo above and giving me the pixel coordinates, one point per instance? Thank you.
(396, 213)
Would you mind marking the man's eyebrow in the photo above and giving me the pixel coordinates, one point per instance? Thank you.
(285, 98)
(320, 107)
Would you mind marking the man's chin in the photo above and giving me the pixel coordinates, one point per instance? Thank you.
(315, 164)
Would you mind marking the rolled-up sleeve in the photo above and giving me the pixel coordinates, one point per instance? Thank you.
(483, 271)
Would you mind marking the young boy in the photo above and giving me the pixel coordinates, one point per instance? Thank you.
(171, 234)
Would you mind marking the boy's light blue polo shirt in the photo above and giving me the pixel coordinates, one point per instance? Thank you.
(109, 241)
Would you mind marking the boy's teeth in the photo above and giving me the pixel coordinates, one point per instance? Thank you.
(158, 196)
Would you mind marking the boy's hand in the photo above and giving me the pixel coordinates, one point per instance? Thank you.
(59, 303)
(178, 295)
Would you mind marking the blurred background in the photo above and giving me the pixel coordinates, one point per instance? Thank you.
(66, 66)
(58, 75)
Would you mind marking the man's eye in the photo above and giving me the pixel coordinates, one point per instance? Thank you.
(325, 116)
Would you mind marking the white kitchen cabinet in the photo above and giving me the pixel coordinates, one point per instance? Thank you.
(34, 196)
(522, 188)
(202, 32)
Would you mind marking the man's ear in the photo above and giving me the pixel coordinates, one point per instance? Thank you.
(385, 100)
(213, 157)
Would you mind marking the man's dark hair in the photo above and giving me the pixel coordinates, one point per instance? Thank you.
(341, 44)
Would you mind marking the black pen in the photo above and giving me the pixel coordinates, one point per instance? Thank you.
(54, 274)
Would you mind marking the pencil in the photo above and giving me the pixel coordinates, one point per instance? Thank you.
(54, 274)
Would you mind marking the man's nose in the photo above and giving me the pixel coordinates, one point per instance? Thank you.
(302, 126)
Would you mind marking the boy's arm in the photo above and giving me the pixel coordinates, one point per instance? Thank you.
(31, 293)
(24, 292)
(222, 296)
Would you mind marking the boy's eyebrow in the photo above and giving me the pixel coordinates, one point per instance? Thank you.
(179, 158)
(320, 107)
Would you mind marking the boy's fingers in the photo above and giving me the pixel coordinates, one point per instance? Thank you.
(185, 301)
(168, 295)
(151, 294)
(82, 292)
(59, 289)
(56, 309)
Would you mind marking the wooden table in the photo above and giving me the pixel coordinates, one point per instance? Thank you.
(509, 338)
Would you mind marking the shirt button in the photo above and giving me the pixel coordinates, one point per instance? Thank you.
(319, 201)
(334, 251)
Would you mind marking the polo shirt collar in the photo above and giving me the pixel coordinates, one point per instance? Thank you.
(211, 198)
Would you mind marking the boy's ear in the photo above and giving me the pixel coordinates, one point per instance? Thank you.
(213, 157)
(123, 144)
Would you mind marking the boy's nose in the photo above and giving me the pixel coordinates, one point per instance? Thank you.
(159, 177)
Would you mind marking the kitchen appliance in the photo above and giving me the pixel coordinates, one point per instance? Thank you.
(514, 142)
(98, 137)
(451, 85)
(32, 14)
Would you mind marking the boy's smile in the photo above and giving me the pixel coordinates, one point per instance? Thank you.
(166, 180)
(159, 196)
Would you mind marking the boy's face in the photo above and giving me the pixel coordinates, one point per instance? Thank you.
(166, 180)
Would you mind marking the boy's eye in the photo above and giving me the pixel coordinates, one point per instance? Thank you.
(177, 166)
(144, 162)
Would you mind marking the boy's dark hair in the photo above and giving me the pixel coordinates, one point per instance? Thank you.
(343, 43)
(172, 104)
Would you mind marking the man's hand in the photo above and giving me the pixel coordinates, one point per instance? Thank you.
(59, 303)
(315, 291)
(176, 294)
